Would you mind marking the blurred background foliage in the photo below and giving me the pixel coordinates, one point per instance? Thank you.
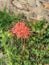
(36, 48)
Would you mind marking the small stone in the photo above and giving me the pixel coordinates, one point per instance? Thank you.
(30, 8)
(22, 1)
(31, 2)
(40, 17)
(17, 4)
(25, 12)
(1, 55)
(46, 5)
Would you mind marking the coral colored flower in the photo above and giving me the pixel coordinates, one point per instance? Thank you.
(21, 30)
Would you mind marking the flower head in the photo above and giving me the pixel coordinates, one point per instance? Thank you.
(21, 30)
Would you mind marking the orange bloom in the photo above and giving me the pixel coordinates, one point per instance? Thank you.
(21, 30)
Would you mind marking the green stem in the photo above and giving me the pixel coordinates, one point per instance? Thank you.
(23, 50)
